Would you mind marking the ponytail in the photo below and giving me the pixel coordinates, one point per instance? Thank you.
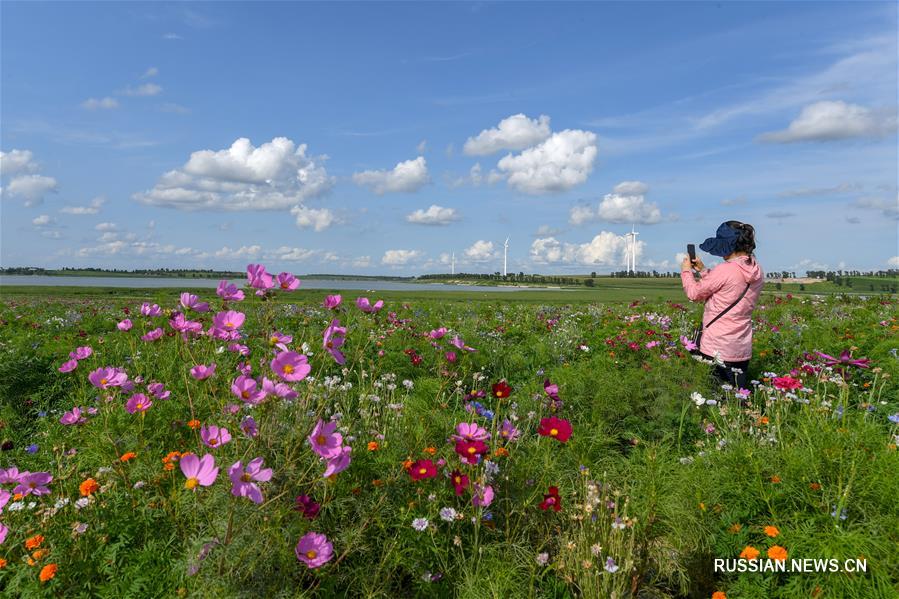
(746, 240)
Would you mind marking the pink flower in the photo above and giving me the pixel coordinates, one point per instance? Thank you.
(466, 431)
(228, 321)
(249, 428)
(451, 357)
(33, 483)
(243, 480)
(688, 344)
(334, 337)
(158, 391)
(366, 306)
(314, 550)
(332, 301)
(72, 417)
(786, 383)
(278, 338)
(10, 475)
(81, 353)
(457, 342)
(229, 292)
(241, 349)
(104, 378)
(68, 366)
(281, 390)
(324, 440)
(152, 335)
(245, 388)
(291, 366)
(201, 372)
(138, 403)
(198, 471)
(192, 302)
(4, 530)
(213, 436)
(124, 325)
(181, 324)
(150, 310)
(259, 279)
(482, 495)
(338, 464)
(287, 282)
(437, 333)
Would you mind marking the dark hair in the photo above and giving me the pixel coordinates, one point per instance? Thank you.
(746, 240)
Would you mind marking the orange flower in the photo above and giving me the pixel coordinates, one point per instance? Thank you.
(39, 553)
(719, 595)
(17, 496)
(702, 506)
(501, 452)
(48, 572)
(127, 456)
(34, 542)
(430, 450)
(194, 423)
(777, 553)
(749, 552)
(88, 487)
(772, 531)
(763, 420)
(2, 563)
(735, 528)
(377, 482)
(775, 479)
(373, 446)
(814, 486)
(407, 464)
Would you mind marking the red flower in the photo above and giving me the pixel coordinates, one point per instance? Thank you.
(557, 428)
(459, 481)
(421, 469)
(551, 500)
(471, 451)
(502, 389)
(787, 383)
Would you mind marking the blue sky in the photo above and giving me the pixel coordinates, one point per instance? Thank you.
(378, 138)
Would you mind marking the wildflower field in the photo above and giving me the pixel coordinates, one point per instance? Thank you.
(275, 442)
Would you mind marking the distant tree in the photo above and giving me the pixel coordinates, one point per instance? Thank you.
(588, 282)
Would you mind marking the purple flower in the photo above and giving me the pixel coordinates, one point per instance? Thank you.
(458, 343)
(611, 567)
(291, 366)
(324, 440)
(244, 388)
(201, 372)
(10, 475)
(366, 306)
(307, 506)
(278, 338)
(4, 530)
(314, 550)
(437, 333)
(81, 353)
(153, 335)
(482, 495)
(466, 431)
(124, 325)
(287, 282)
(228, 322)
(551, 390)
(150, 310)
(198, 471)
(338, 464)
(68, 366)
(688, 344)
(243, 480)
(104, 378)
(138, 403)
(72, 417)
(508, 431)
(33, 483)
(281, 390)
(158, 391)
(213, 436)
(192, 302)
(248, 426)
(334, 337)
(258, 278)
(332, 301)
(229, 292)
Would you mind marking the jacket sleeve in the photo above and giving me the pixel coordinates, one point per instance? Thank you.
(702, 289)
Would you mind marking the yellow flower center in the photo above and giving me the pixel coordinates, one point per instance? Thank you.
(229, 325)
(312, 554)
(103, 381)
(191, 483)
(472, 449)
(139, 406)
(273, 340)
(288, 369)
(245, 477)
(213, 441)
(284, 285)
(422, 470)
(245, 394)
(553, 432)
(320, 440)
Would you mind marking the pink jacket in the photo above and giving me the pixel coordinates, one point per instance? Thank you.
(731, 335)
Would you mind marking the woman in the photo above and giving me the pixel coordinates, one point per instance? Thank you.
(736, 282)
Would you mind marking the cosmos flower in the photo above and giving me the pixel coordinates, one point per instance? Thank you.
(551, 390)
(307, 506)
(338, 464)
(33, 483)
(325, 440)
(366, 306)
(471, 452)
(287, 282)
(786, 383)
(81, 353)
(229, 292)
(508, 431)
(279, 339)
(147, 309)
(124, 325)
(459, 481)
(104, 378)
(551, 500)
(482, 495)
(501, 389)
(245, 388)
(198, 471)
(258, 278)
(459, 344)
(333, 339)
(244, 479)
(291, 366)
(557, 428)
(191, 302)
(470, 431)
(248, 426)
(68, 366)
(437, 333)
(214, 436)
(314, 550)
(138, 403)
(228, 321)
(202, 372)
(153, 335)
(158, 391)
(332, 301)
(73, 416)
(422, 469)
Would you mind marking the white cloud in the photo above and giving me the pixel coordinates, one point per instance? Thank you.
(616, 208)
(606, 249)
(481, 251)
(151, 72)
(889, 208)
(318, 219)
(106, 227)
(408, 176)
(399, 257)
(171, 36)
(144, 89)
(842, 188)
(106, 103)
(174, 108)
(31, 188)
(422, 146)
(557, 164)
(894, 261)
(93, 208)
(293, 254)
(516, 132)
(51, 234)
(834, 120)
(362, 262)
(547, 231)
(435, 215)
(244, 251)
(276, 175)
(581, 214)
(16, 162)
(42, 220)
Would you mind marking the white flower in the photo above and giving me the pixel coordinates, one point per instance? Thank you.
(408, 384)
(697, 398)
(542, 558)
(16, 506)
(62, 502)
(139, 484)
(420, 524)
(447, 514)
(83, 502)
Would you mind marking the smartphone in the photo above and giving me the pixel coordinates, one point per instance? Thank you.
(691, 251)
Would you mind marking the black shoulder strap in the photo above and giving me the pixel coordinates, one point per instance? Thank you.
(727, 309)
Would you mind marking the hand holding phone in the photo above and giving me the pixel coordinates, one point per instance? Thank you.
(691, 251)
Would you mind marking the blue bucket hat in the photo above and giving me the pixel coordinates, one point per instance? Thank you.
(723, 243)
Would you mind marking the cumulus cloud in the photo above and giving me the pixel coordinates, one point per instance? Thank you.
(16, 162)
(481, 251)
(106, 227)
(888, 208)
(626, 204)
(820, 191)
(92, 208)
(106, 103)
(435, 215)
(42, 220)
(581, 214)
(516, 132)
(559, 163)
(318, 219)
(362, 262)
(834, 120)
(894, 261)
(145, 89)
(399, 257)
(631, 188)
(408, 176)
(606, 249)
(276, 175)
(150, 72)
(293, 254)
(31, 188)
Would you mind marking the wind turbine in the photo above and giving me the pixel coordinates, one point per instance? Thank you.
(633, 250)
(454, 263)
(505, 255)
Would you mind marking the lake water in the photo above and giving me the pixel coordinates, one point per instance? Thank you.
(335, 284)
